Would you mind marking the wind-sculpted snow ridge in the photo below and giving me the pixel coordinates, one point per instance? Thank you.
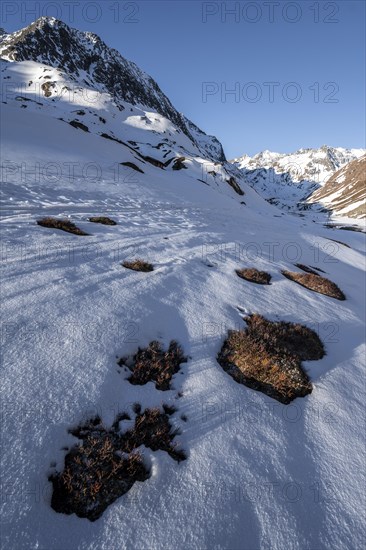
(84, 55)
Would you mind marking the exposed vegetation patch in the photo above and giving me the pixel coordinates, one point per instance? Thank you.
(133, 166)
(317, 283)
(267, 356)
(254, 276)
(153, 429)
(169, 409)
(155, 364)
(64, 225)
(77, 124)
(106, 464)
(103, 220)
(138, 265)
(96, 473)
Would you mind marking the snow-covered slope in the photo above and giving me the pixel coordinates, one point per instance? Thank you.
(345, 191)
(84, 56)
(288, 179)
(142, 134)
(259, 474)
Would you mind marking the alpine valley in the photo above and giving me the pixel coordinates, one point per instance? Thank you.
(127, 420)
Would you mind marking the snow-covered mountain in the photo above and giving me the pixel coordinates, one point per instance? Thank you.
(85, 57)
(345, 191)
(287, 180)
(258, 473)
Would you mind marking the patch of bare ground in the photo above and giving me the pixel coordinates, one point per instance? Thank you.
(63, 225)
(96, 473)
(106, 464)
(266, 356)
(315, 282)
(138, 265)
(153, 429)
(154, 364)
(103, 220)
(254, 276)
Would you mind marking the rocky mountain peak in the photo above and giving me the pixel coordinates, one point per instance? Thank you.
(52, 42)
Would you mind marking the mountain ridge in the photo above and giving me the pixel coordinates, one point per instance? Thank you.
(345, 190)
(85, 52)
(288, 180)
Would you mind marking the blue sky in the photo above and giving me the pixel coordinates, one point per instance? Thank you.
(296, 69)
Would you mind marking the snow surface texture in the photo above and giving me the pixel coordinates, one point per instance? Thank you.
(287, 180)
(259, 475)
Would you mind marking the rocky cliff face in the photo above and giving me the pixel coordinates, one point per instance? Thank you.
(345, 191)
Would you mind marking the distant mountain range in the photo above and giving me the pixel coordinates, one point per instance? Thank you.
(289, 180)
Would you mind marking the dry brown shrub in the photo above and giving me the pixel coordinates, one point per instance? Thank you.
(254, 276)
(106, 464)
(103, 220)
(267, 356)
(64, 225)
(315, 282)
(138, 265)
(155, 364)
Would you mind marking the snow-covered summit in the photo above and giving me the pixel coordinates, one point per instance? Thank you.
(304, 164)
